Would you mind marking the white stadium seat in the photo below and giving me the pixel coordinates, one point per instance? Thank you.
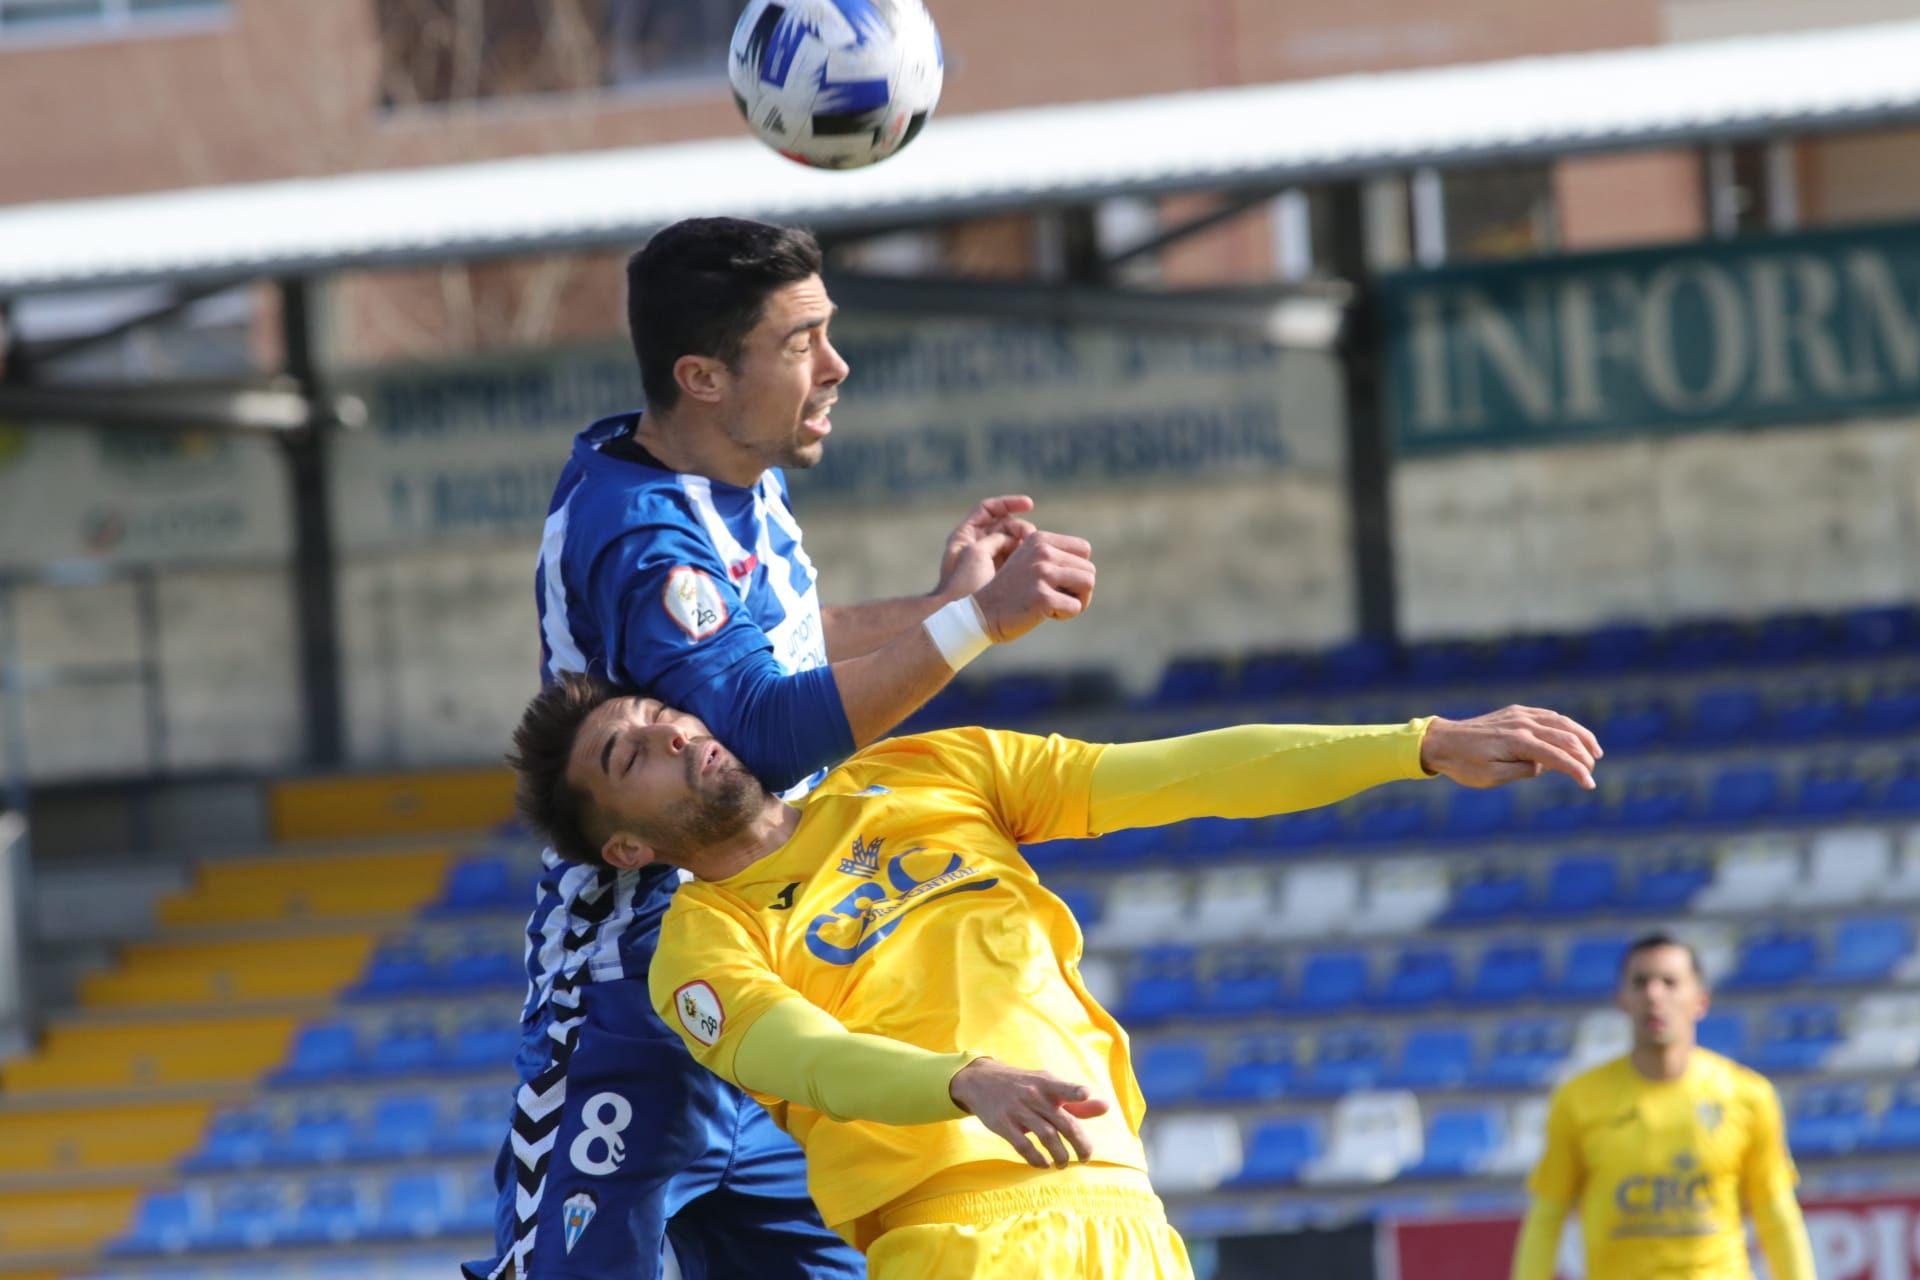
(1904, 884)
(1193, 1153)
(1883, 1034)
(1233, 902)
(1147, 906)
(1372, 1138)
(1403, 896)
(1848, 865)
(1103, 980)
(1600, 1036)
(1526, 1139)
(1753, 874)
(1316, 900)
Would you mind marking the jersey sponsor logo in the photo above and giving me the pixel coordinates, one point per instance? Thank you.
(694, 603)
(598, 1148)
(869, 914)
(865, 860)
(576, 1211)
(1684, 1193)
(700, 1011)
(1711, 1114)
(743, 568)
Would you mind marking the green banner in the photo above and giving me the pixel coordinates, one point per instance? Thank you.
(1795, 328)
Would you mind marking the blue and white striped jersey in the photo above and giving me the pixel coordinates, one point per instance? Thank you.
(699, 593)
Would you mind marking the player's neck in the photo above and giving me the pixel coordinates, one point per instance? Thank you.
(768, 830)
(685, 444)
(1662, 1061)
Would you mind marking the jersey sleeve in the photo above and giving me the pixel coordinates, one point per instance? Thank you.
(1037, 787)
(711, 979)
(1768, 1171)
(1558, 1175)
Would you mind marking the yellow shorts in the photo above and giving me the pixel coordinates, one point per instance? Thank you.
(1110, 1229)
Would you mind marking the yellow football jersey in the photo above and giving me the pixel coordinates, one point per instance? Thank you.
(902, 906)
(1659, 1169)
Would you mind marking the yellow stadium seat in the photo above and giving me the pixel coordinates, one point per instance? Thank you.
(308, 887)
(131, 1139)
(391, 804)
(62, 1221)
(162, 973)
(125, 1056)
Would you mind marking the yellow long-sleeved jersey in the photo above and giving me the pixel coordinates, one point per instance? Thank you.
(899, 932)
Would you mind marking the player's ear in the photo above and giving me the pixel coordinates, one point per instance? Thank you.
(702, 378)
(626, 851)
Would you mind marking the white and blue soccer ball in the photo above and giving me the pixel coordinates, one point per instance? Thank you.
(836, 83)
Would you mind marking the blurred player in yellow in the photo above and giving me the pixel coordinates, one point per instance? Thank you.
(1660, 1149)
(882, 968)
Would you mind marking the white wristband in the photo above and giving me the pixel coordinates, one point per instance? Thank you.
(959, 632)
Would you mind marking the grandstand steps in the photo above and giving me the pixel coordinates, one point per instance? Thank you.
(102, 1060)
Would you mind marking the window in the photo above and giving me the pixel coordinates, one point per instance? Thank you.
(441, 51)
(1500, 213)
(69, 17)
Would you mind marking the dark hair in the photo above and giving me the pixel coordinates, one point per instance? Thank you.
(699, 287)
(542, 745)
(1650, 941)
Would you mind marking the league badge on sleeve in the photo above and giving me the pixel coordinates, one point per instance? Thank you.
(700, 1012)
(694, 602)
(577, 1211)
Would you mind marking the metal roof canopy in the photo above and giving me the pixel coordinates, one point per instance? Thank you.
(1266, 135)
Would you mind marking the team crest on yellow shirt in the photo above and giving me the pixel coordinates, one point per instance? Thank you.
(1711, 1114)
(865, 861)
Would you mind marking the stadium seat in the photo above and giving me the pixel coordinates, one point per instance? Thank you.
(1790, 637)
(1846, 866)
(415, 1206)
(486, 882)
(1600, 1035)
(1143, 907)
(1866, 949)
(1018, 696)
(478, 1123)
(330, 1212)
(1279, 1152)
(1476, 815)
(1899, 1125)
(400, 1126)
(1421, 977)
(481, 1043)
(1743, 793)
(1234, 902)
(1331, 982)
(1522, 657)
(1345, 1059)
(1172, 1071)
(484, 964)
(319, 1134)
(1433, 1058)
(1193, 1153)
(1620, 647)
(321, 1052)
(403, 1048)
(1773, 959)
(1509, 972)
(1083, 900)
(1211, 840)
(1752, 875)
(1883, 1034)
(1187, 682)
(1164, 985)
(1527, 1053)
(1796, 1037)
(1103, 981)
(1562, 810)
(1358, 663)
(1243, 985)
(1273, 675)
(1491, 895)
(1693, 646)
(1667, 884)
(1525, 1138)
(235, 1139)
(1632, 723)
(1903, 885)
(1402, 896)
(166, 1221)
(1900, 794)
(246, 1215)
(1726, 715)
(395, 969)
(1810, 714)
(1259, 1069)
(1592, 967)
(1875, 631)
(1372, 1137)
(1125, 848)
(1580, 885)
(1723, 1033)
(1889, 709)
(1653, 802)
(1391, 819)
(1828, 1120)
(1293, 832)
(1460, 1142)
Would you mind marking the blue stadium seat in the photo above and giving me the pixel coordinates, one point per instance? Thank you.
(1527, 1053)
(330, 1213)
(1693, 646)
(1580, 885)
(415, 1206)
(1772, 959)
(1459, 1142)
(1592, 968)
(395, 969)
(1172, 1071)
(1808, 715)
(1619, 647)
(1082, 687)
(1899, 1125)
(1128, 848)
(1344, 1060)
(1830, 791)
(1871, 632)
(1274, 675)
(1244, 985)
(1186, 682)
(1866, 949)
(1018, 696)
(1213, 839)
(1563, 810)
(1278, 1153)
(478, 1124)
(165, 1222)
(319, 1134)
(1295, 831)
(1668, 884)
(401, 1126)
(1634, 722)
(235, 1139)
(1508, 972)
(1728, 714)
(246, 1215)
(485, 882)
(1391, 820)
(1889, 709)
(1653, 802)
(1083, 900)
(1791, 637)
(1445, 663)
(1421, 977)
(1743, 793)
(321, 1051)
(1474, 815)
(1901, 793)
(480, 1044)
(1724, 1034)
(404, 1048)
(1259, 1069)
(1524, 657)
(1358, 663)
(1796, 1037)
(474, 1202)
(1433, 1058)
(1828, 1120)
(1164, 984)
(1331, 982)
(484, 964)
(1489, 896)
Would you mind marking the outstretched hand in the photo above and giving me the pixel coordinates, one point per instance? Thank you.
(981, 544)
(1507, 745)
(1013, 1103)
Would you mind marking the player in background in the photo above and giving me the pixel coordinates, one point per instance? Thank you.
(883, 969)
(671, 561)
(1661, 1149)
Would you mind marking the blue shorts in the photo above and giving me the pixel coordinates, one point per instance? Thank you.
(651, 1147)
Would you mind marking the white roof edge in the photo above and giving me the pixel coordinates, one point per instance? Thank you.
(1242, 136)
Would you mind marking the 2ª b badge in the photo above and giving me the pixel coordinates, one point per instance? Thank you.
(693, 601)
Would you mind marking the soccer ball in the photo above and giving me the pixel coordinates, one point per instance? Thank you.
(835, 83)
